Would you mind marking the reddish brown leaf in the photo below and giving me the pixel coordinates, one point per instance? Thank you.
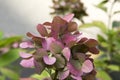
(91, 43)
(72, 26)
(94, 50)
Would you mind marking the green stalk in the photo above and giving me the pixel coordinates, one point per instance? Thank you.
(110, 15)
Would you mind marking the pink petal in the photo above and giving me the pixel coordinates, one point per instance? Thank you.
(27, 63)
(76, 77)
(26, 45)
(72, 69)
(15, 45)
(49, 60)
(25, 55)
(66, 53)
(67, 38)
(68, 17)
(87, 66)
(47, 42)
(63, 75)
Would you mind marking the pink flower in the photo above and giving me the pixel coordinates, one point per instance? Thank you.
(49, 60)
(26, 44)
(60, 46)
(28, 60)
(87, 66)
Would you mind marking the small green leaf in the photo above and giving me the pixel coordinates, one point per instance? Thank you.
(101, 5)
(116, 24)
(113, 67)
(116, 12)
(9, 73)
(101, 38)
(102, 75)
(43, 75)
(9, 57)
(98, 24)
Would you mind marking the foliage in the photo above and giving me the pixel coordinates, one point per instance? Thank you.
(61, 51)
(8, 54)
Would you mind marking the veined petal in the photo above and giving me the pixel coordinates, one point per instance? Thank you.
(68, 17)
(66, 53)
(27, 44)
(49, 60)
(67, 38)
(76, 77)
(63, 74)
(27, 63)
(72, 69)
(87, 66)
(25, 55)
(42, 30)
(46, 43)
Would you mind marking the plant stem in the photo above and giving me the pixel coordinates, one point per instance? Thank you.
(109, 28)
(110, 15)
(56, 73)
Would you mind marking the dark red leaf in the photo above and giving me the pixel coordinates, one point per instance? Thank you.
(91, 43)
(72, 26)
(94, 50)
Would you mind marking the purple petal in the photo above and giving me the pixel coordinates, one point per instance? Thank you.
(27, 63)
(87, 66)
(64, 74)
(49, 60)
(68, 17)
(76, 77)
(66, 53)
(72, 69)
(26, 45)
(25, 55)
(15, 45)
(47, 42)
(67, 38)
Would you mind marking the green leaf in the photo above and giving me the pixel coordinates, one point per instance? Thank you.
(10, 40)
(1, 35)
(113, 67)
(116, 24)
(101, 38)
(102, 75)
(116, 12)
(9, 57)
(101, 5)
(98, 24)
(9, 73)
(43, 75)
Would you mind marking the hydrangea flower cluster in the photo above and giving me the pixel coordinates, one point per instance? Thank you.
(61, 48)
